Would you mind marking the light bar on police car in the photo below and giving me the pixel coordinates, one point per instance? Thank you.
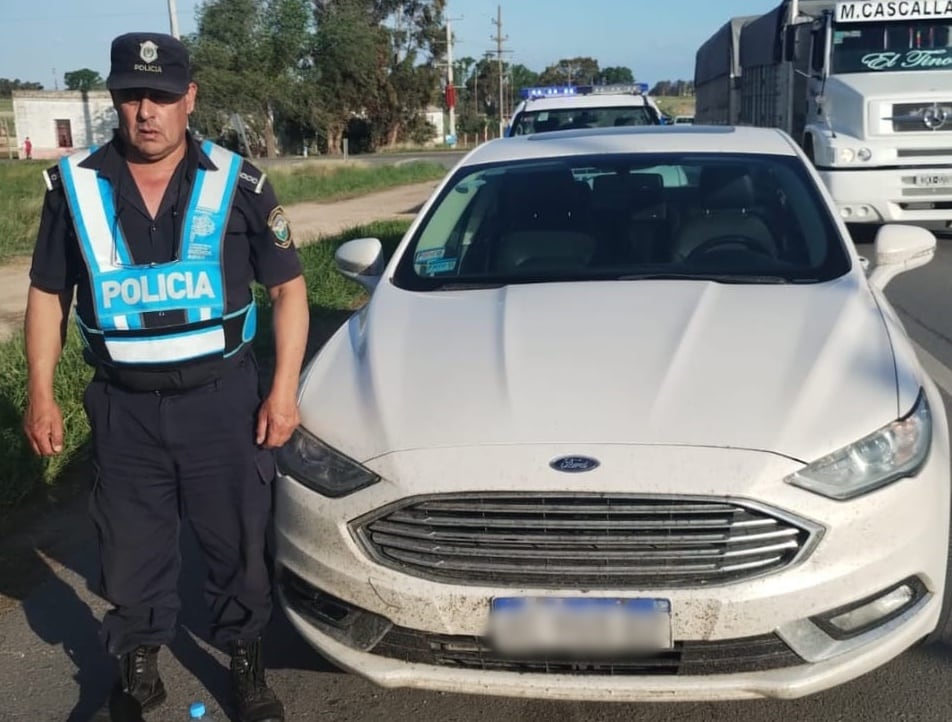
(548, 91)
(857, 11)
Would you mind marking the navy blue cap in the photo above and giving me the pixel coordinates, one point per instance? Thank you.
(149, 60)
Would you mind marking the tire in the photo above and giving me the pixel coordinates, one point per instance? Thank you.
(942, 634)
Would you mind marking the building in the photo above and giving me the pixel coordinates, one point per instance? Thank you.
(434, 115)
(58, 122)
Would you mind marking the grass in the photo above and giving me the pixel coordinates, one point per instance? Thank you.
(23, 476)
(21, 199)
(22, 190)
(312, 182)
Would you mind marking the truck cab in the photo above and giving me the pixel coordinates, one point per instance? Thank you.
(864, 86)
(879, 110)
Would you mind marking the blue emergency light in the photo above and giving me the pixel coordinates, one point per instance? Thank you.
(558, 91)
(548, 91)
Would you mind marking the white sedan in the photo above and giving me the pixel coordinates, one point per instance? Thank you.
(625, 418)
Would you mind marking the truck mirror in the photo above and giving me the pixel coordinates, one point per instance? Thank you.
(790, 44)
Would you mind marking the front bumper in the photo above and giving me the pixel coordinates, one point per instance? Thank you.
(868, 544)
(888, 196)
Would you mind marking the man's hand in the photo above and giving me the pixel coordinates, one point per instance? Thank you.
(43, 424)
(278, 417)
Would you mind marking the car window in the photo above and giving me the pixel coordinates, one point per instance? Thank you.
(753, 217)
(542, 121)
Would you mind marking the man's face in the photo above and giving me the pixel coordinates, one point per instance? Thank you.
(153, 123)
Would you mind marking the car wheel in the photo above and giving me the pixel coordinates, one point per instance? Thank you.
(942, 634)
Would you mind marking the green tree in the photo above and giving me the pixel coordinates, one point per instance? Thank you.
(571, 71)
(248, 58)
(616, 75)
(344, 69)
(83, 79)
(7, 86)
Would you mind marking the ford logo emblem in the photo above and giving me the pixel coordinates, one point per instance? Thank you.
(574, 464)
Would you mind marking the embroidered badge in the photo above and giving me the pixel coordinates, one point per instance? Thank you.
(148, 51)
(280, 227)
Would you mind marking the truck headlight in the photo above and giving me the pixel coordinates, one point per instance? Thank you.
(847, 156)
(317, 466)
(897, 450)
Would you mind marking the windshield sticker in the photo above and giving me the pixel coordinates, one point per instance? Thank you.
(441, 266)
(910, 60)
(856, 12)
(429, 254)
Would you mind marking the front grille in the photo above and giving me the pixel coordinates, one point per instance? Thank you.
(921, 117)
(733, 656)
(584, 540)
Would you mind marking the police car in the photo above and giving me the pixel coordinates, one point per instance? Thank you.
(625, 417)
(548, 108)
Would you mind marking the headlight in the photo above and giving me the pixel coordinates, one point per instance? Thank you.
(319, 467)
(845, 155)
(895, 451)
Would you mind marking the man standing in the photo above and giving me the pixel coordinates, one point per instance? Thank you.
(162, 236)
(28, 148)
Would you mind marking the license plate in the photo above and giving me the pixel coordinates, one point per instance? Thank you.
(932, 180)
(572, 625)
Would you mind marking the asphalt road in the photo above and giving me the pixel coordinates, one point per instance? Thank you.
(52, 668)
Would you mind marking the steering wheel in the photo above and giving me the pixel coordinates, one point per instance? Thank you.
(731, 239)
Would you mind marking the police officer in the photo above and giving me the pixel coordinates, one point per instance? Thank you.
(161, 237)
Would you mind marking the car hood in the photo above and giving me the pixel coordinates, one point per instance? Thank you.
(798, 370)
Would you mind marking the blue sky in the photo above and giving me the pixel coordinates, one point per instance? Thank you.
(655, 38)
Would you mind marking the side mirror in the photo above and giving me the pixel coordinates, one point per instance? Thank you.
(790, 44)
(361, 260)
(900, 248)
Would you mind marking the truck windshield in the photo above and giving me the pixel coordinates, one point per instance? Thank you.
(892, 47)
(541, 121)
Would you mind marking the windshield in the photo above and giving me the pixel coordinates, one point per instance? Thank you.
(892, 47)
(542, 121)
(735, 219)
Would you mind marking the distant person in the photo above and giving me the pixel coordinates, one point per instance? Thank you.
(28, 148)
(161, 236)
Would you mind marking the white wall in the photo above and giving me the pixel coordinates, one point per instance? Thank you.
(92, 119)
(435, 116)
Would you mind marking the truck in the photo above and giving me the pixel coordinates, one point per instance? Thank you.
(863, 86)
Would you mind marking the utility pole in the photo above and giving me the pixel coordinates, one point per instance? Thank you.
(500, 39)
(450, 90)
(173, 19)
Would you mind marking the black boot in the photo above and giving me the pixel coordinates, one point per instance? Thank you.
(255, 700)
(139, 688)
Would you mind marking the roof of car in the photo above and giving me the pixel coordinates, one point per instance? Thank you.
(635, 139)
(619, 100)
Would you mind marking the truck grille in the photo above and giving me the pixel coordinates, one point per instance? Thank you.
(921, 117)
(560, 541)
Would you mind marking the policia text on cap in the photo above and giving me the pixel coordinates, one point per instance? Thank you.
(161, 237)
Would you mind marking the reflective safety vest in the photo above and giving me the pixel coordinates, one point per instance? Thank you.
(193, 285)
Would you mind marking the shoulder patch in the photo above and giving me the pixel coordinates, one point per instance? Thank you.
(280, 227)
(250, 178)
(51, 176)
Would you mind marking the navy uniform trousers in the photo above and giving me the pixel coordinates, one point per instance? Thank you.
(164, 457)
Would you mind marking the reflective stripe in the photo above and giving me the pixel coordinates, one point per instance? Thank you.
(193, 284)
(167, 349)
